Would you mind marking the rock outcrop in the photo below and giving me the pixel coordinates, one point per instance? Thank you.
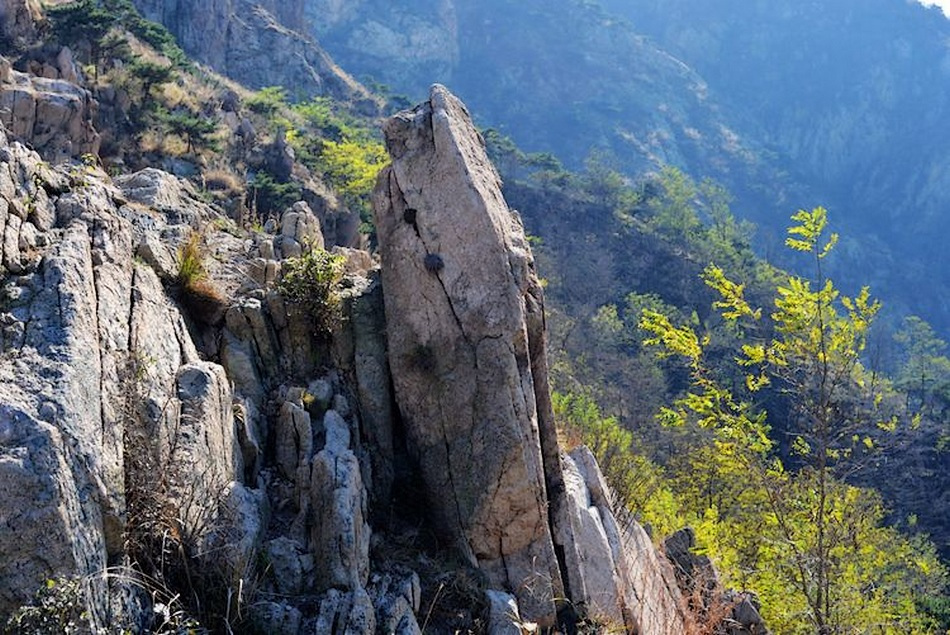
(464, 316)
(53, 115)
(17, 22)
(456, 270)
(242, 444)
(108, 411)
(118, 433)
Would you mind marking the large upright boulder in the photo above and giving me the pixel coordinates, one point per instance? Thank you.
(456, 276)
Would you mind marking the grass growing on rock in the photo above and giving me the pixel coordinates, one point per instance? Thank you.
(198, 294)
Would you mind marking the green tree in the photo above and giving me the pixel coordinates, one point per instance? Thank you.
(267, 101)
(503, 152)
(150, 75)
(268, 195)
(674, 216)
(607, 186)
(196, 130)
(924, 373)
(816, 529)
(82, 22)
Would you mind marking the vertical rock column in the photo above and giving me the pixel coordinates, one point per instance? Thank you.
(456, 277)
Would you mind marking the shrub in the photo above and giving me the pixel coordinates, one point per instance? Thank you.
(58, 607)
(310, 281)
(223, 181)
(194, 129)
(268, 195)
(267, 101)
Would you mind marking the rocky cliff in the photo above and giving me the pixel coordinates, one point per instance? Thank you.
(17, 22)
(235, 36)
(162, 440)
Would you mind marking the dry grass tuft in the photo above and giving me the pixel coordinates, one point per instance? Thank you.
(223, 181)
(203, 301)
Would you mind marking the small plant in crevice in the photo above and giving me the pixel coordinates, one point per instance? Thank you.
(202, 299)
(58, 607)
(310, 281)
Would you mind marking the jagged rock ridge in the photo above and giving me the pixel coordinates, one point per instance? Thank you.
(225, 425)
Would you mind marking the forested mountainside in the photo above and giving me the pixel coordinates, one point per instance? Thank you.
(855, 97)
(789, 105)
(236, 423)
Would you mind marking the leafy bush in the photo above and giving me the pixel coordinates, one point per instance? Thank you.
(310, 281)
(58, 607)
(348, 153)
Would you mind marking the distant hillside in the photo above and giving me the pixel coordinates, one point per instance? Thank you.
(788, 104)
(855, 96)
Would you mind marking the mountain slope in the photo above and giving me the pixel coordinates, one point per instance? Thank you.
(789, 105)
(855, 96)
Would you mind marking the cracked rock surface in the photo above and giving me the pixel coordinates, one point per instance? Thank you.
(459, 347)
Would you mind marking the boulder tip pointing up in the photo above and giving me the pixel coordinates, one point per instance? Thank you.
(459, 293)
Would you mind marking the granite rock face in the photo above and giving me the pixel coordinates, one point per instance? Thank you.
(114, 423)
(104, 396)
(53, 115)
(233, 36)
(455, 275)
(613, 569)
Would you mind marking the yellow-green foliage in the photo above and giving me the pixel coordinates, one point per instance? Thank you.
(813, 547)
(352, 166)
(58, 607)
(639, 484)
(341, 147)
(328, 140)
(267, 101)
